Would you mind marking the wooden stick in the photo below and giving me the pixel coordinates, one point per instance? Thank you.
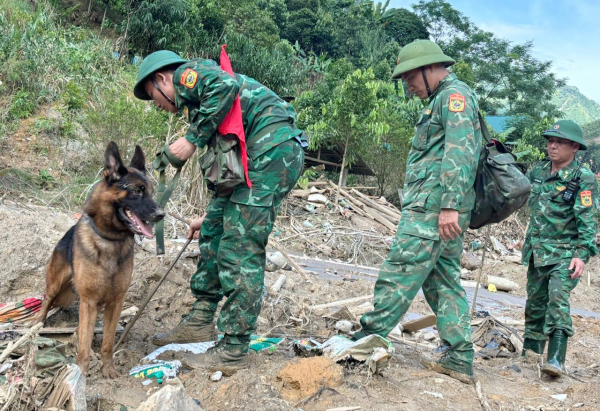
(147, 300)
(342, 302)
(375, 205)
(500, 283)
(482, 400)
(62, 330)
(299, 269)
(371, 212)
(278, 284)
(485, 243)
(13, 346)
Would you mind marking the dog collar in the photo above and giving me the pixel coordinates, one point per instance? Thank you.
(93, 225)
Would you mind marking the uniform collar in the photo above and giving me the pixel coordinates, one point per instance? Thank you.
(443, 84)
(564, 173)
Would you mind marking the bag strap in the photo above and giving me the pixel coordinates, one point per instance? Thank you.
(163, 158)
(484, 130)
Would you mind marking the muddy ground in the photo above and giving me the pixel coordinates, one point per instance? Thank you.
(28, 233)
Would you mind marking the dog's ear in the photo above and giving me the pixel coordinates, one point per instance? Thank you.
(113, 166)
(138, 161)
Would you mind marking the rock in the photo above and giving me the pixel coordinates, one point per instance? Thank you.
(559, 397)
(344, 326)
(397, 330)
(317, 198)
(498, 246)
(279, 260)
(511, 258)
(171, 397)
(216, 376)
(307, 224)
(470, 261)
(429, 336)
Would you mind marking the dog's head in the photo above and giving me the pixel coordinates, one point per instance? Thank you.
(130, 192)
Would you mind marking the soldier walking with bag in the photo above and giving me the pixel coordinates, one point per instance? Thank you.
(249, 176)
(436, 209)
(560, 240)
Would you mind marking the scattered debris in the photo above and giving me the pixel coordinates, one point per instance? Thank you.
(171, 397)
(470, 261)
(216, 376)
(419, 323)
(500, 283)
(493, 339)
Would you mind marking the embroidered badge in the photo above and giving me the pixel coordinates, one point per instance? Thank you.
(189, 78)
(561, 188)
(586, 198)
(457, 103)
(556, 126)
(427, 111)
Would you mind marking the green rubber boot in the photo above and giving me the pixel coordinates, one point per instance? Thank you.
(537, 346)
(557, 351)
(197, 326)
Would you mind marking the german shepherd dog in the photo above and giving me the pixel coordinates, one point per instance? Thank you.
(94, 259)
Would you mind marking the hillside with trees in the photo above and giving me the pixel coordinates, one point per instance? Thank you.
(575, 106)
(83, 56)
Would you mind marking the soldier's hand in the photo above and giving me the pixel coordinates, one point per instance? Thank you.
(182, 149)
(194, 231)
(448, 224)
(577, 265)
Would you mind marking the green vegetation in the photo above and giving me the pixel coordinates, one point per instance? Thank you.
(575, 106)
(66, 81)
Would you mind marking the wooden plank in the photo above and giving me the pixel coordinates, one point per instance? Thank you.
(60, 330)
(420, 323)
(342, 302)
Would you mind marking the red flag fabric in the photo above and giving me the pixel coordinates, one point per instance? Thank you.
(233, 123)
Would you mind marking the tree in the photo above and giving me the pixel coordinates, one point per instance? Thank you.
(359, 125)
(403, 26)
(506, 76)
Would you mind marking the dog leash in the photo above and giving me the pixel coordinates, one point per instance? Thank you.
(147, 300)
(162, 160)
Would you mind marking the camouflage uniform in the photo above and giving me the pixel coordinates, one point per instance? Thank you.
(558, 231)
(235, 232)
(440, 173)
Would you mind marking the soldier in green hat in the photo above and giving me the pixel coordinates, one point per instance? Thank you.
(436, 209)
(234, 230)
(560, 240)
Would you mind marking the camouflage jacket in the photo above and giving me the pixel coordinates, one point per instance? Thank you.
(209, 92)
(558, 229)
(442, 163)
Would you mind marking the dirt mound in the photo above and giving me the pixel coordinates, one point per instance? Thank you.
(303, 378)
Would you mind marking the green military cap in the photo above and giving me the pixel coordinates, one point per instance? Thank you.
(420, 53)
(150, 65)
(567, 129)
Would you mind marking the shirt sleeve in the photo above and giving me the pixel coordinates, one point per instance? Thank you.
(215, 91)
(461, 148)
(586, 217)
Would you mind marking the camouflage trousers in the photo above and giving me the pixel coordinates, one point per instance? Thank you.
(419, 258)
(547, 307)
(233, 237)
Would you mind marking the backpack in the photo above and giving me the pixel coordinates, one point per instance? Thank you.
(501, 187)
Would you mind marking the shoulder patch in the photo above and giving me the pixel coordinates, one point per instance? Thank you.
(586, 198)
(189, 78)
(456, 103)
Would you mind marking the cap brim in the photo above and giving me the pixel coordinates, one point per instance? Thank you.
(551, 133)
(412, 64)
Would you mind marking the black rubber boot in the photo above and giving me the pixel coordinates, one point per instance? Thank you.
(197, 326)
(557, 351)
(537, 346)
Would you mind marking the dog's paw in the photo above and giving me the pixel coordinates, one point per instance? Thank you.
(109, 371)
